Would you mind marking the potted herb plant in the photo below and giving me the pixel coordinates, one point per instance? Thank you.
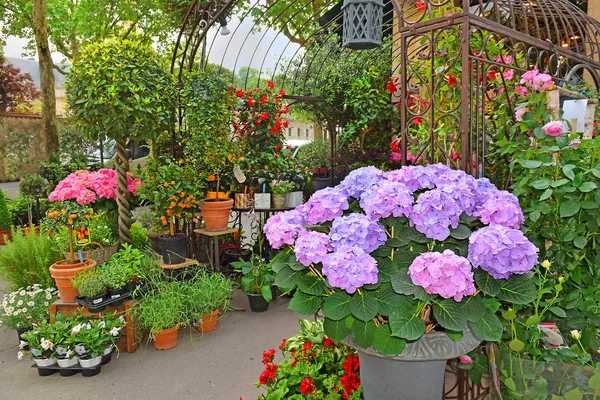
(26, 307)
(411, 275)
(75, 217)
(280, 189)
(133, 262)
(256, 282)
(162, 312)
(170, 190)
(115, 278)
(94, 290)
(206, 294)
(210, 148)
(5, 220)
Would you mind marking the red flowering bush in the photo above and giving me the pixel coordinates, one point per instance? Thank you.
(314, 367)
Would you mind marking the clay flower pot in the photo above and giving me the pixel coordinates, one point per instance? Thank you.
(209, 322)
(216, 214)
(63, 271)
(166, 339)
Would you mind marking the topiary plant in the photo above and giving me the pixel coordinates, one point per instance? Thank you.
(5, 220)
(92, 287)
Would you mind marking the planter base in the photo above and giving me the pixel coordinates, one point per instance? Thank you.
(257, 302)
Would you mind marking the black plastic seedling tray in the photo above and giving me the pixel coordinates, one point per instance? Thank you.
(70, 371)
(99, 307)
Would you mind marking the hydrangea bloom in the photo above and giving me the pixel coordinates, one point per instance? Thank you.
(385, 199)
(501, 208)
(357, 230)
(414, 177)
(485, 190)
(433, 214)
(284, 228)
(311, 247)
(349, 268)
(462, 188)
(444, 273)
(360, 180)
(502, 251)
(324, 206)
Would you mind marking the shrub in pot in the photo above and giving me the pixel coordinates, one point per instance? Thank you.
(280, 189)
(206, 294)
(114, 277)
(257, 280)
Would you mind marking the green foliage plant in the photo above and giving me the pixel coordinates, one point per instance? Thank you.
(315, 154)
(91, 287)
(5, 220)
(113, 275)
(26, 259)
(83, 276)
(257, 276)
(281, 187)
(162, 308)
(205, 293)
(139, 236)
(133, 261)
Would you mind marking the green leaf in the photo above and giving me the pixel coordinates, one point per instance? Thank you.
(337, 306)
(580, 242)
(311, 285)
(267, 293)
(486, 283)
(541, 184)
(455, 336)
(587, 187)
(518, 291)
(397, 242)
(510, 384)
(594, 382)
(337, 330)
(449, 314)
(573, 394)
(559, 312)
(569, 208)
(560, 183)
(509, 315)
(461, 232)
(474, 308)
(516, 345)
(304, 304)
(568, 171)
(281, 260)
(402, 284)
(386, 344)
(407, 327)
(546, 195)
(488, 327)
(287, 279)
(530, 164)
(390, 301)
(363, 333)
(364, 306)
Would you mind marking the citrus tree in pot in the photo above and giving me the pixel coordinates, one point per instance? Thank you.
(408, 267)
(169, 188)
(75, 217)
(208, 146)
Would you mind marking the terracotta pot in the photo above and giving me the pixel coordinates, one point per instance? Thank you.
(209, 322)
(216, 214)
(3, 234)
(63, 271)
(166, 339)
(222, 195)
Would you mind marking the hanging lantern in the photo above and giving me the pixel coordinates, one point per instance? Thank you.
(363, 21)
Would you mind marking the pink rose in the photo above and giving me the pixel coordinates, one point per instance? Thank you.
(529, 75)
(541, 82)
(504, 59)
(509, 74)
(465, 359)
(521, 90)
(519, 113)
(554, 128)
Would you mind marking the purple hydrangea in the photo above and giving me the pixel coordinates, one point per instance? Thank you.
(311, 247)
(502, 251)
(385, 199)
(360, 180)
(284, 228)
(434, 213)
(357, 230)
(414, 177)
(444, 273)
(501, 208)
(324, 206)
(349, 268)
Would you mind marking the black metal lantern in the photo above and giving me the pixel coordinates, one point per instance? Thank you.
(362, 24)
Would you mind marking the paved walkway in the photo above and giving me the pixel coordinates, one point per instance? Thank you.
(221, 365)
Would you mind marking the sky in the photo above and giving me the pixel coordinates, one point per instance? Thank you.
(233, 50)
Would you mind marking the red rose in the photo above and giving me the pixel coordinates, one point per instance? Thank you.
(395, 145)
(278, 147)
(282, 92)
(264, 116)
(270, 84)
(452, 81)
(417, 121)
(307, 387)
(275, 156)
(391, 87)
(454, 154)
(272, 131)
(251, 102)
(420, 5)
(240, 93)
(491, 75)
(264, 100)
(286, 124)
(286, 109)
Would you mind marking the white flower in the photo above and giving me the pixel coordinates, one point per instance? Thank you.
(46, 304)
(105, 226)
(46, 344)
(22, 293)
(88, 326)
(60, 351)
(101, 324)
(4, 303)
(69, 353)
(9, 314)
(80, 350)
(122, 319)
(30, 303)
(12, 301)
(48, 296)
(23, 310)
(76, 329)
(114, 331)
(22, 344)
(19, 303)
(576, 334)
(20, 355)
(10, 309)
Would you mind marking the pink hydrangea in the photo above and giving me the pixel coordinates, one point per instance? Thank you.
(554, 128)
(445, 274)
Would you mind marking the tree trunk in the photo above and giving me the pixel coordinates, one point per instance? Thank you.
(317, 129)
(122, 167)
(49, 128)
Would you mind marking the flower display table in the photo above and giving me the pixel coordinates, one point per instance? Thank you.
(131, 337)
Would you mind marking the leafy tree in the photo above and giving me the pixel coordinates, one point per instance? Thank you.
(17, 90)
(120, 89)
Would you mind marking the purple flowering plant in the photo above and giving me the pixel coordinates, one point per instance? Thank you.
(390, 256)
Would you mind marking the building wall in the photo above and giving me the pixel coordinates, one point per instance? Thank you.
(20, 129)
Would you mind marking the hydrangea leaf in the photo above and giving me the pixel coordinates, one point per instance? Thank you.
(337, 306)
(386, 344)
(387, 269)
(450, 314)
(486, 283)
(461, 232)
(407, 327)
(364, 306)
(474, 307)
(488, 327)
(281, 260)
(287, 279)
(337, 330)
(454, 335)
(390, 301)
(518, 291)
(363, 333)
(311, 285)
(402, 284)
(304, 304)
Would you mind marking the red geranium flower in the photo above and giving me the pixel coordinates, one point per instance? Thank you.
(264, 100)
(268, 375)
(282, 345)
(452, 81)
(417, 120)
(350, 382)
(240, 93)
(268, 356)
(307, 387)
(421, 5)
(277, 148)
(251, 102)
(391, 87)
(264, 116)
(328, 343)
(270, 84)
(351, 364)
(395, 146)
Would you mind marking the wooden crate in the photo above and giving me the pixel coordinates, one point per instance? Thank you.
(131, 336)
